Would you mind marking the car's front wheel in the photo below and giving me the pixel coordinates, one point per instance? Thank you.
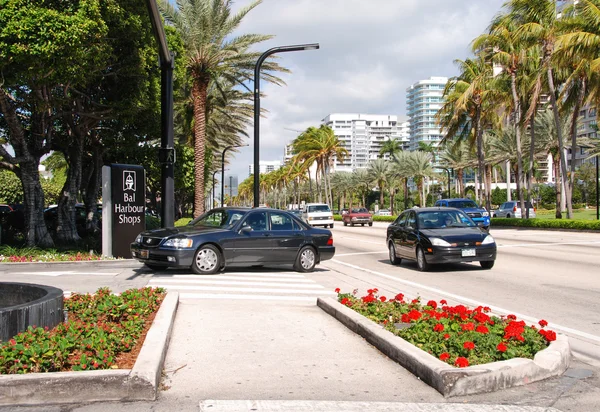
(306, 260)
(331, 226)
(370, 223)
(421, 261)
(487, 264)
(207, 260)
(394, 260)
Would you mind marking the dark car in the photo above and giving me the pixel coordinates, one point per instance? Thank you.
(231, 236)
(51, 217)
(439, 235)
(477, 214)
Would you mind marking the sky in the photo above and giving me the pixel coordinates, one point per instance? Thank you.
(370, 52)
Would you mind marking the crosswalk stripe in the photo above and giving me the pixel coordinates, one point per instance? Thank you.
(186, 295)
(235, 289)
(230, 282)
(219, 277)
(64, 273)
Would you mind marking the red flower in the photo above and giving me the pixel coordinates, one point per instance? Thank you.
(443, 302)
(501, 347)
(446, 336)
(346, 302)
(511, 317)
(550, 335)
(414, 301)
(469, 345)
(543, 323)
(405, 318)
(337, 290)
(399, 297)
(444, 356)
(383, 299)
(468, 326)
(482, 329)
(438, 328)
(432, 303)
(481, 318)
(414, 314)
(461, 362)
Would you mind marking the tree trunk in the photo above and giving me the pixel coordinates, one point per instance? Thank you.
(531, 160)
(556, 164)
(461, 183)
(508, 182)
(91, 188)
(36, 232)
(517, 119)
(199, 95)
(66, 229)
(571, 182)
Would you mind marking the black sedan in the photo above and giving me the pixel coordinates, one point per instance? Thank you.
(439, 235)
(235, 237)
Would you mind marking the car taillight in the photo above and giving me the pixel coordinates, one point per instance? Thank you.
(534, 209)
(514, 209)
(330, 241)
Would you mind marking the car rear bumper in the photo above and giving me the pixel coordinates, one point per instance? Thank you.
(320, 222)
(163, 257)
(454, 254)
(326, 252)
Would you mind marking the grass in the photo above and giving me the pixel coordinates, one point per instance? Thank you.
(579, 214)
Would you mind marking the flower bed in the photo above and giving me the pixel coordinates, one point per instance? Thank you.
(104, 331)
(10, 254)
(456, 335)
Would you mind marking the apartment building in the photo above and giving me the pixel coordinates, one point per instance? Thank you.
(265, 166)
(362, 135)
(423, 100)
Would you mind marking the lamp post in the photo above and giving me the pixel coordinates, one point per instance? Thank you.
(260, 60)
(447, 171)
(230, 188)
(223, 168)
(213, 189)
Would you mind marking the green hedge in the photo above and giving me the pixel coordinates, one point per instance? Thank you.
(548, 224)
(183, 221)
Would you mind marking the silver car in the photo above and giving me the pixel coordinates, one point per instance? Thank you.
(513, 209)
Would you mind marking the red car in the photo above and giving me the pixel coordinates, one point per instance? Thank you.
(357, 216)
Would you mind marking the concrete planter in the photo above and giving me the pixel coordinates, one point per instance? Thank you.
(446, 379)
(139, 383)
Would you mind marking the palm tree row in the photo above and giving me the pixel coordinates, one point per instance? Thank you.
(527, 53)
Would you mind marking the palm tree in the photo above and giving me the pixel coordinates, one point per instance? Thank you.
(341, 183)
(418, 166)
(379, 170)
(362, 180)
(455, 156)
(401, 171)
(211, 52)
(390, 147)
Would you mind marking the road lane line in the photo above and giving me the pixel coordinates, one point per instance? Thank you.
(219, 277)
(176, 282)
(552, 244)
(359, 253)
(474, 302)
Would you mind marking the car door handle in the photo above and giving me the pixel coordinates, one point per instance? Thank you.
(266, 234)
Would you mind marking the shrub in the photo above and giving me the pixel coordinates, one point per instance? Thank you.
(183, 221)
(152, 222)
(548, 224)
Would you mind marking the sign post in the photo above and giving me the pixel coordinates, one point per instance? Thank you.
(123, 208)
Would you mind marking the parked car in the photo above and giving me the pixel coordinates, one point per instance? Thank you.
(344, 211)
(513, 209)
(5, 209)
(358, 216)
(478, 214)
(317, 214)
(383, 212)
(51, 217)
(231, 236)
(439, 235)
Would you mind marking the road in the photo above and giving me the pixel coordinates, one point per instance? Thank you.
(257, 334)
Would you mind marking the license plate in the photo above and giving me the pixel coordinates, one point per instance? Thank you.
(144, 254)
(469, 252)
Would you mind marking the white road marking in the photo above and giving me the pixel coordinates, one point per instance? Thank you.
(175, 282)
(64, 273)
(219, 277)
(358, 253)
(551, 244)
(474, 302)
(234, 289)
(187, 295)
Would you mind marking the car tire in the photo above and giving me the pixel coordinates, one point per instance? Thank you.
(508, 215)
(306, 260)
(422, 261)
(371, 224)
(154, 267)
(394, 260)
(351, 224)
(207, 260)
(487, 264)
(345, 223)
(331, 226)
(362, 224)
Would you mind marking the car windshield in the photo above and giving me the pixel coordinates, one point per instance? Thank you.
(463, 204)
(224, 219)
(444, 219)
(318, 208)
(360, 210)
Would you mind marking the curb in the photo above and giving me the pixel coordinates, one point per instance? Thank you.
(447, 380)
(121, 263)
(139, 383)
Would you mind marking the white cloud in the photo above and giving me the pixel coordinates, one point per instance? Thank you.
(370, 52)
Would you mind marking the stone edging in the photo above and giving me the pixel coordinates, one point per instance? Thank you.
(139, 383)
(122, 263)
(446, 379)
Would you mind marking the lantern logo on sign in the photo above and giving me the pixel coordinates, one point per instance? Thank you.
(129, 180)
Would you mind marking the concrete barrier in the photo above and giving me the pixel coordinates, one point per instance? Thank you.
(446, 379)
(139, 383)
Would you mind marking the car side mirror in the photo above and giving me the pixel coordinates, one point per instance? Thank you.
(245, 229)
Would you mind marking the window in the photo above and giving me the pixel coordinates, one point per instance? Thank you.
(318, 208)
(280, 221)
(411, 220)
(401, 220)
(256, 221)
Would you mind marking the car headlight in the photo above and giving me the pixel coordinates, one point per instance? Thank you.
(439, 242)
(179, 243)
(485, 214)
(138, 239)
(488, 240)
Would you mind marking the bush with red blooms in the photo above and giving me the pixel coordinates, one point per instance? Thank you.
(456, 335)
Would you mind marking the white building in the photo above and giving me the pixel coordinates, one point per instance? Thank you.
(423, 100)
(265, 166)
(362, 135)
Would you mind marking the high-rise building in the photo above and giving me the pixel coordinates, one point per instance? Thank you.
(265, 166)
(230, 187)
(362, 135)
(423, 100)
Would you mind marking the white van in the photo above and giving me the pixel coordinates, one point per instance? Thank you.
(317, 214)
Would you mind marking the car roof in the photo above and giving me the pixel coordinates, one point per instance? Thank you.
(456, 199)
(431, 209)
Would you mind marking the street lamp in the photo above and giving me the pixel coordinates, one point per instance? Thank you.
(223, 168)
(230, 187)
(260, 60)
(447, 171)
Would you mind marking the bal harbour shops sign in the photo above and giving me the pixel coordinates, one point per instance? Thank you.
(123, 207)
